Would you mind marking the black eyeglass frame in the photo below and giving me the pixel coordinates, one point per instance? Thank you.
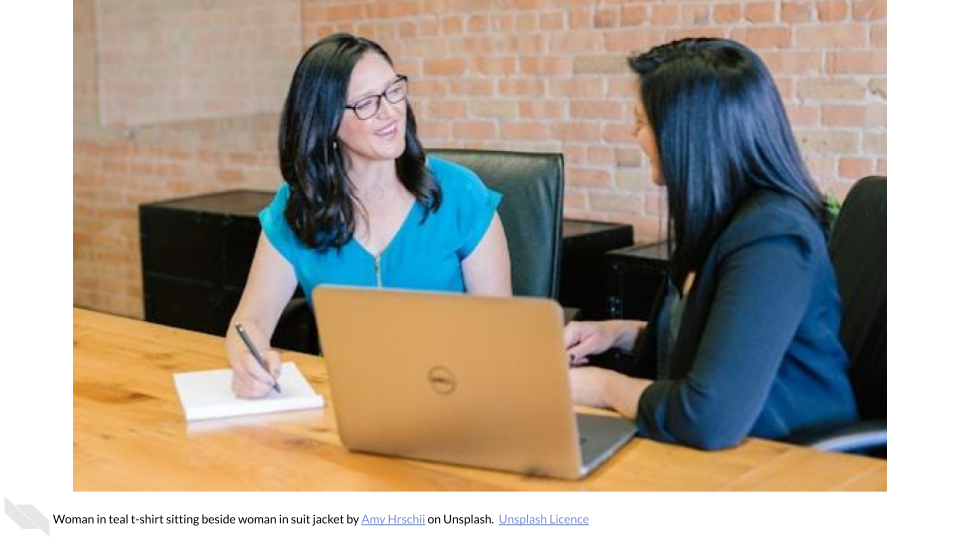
(381, 96)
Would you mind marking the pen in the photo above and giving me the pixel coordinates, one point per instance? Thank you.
(253, 350)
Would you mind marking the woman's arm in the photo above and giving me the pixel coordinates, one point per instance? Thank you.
(486, 270)
(269, 287)
(763, 291)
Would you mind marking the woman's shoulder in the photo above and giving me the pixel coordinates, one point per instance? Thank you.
(455, 180)
(768, 214)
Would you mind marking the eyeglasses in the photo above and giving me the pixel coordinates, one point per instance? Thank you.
(369, 106)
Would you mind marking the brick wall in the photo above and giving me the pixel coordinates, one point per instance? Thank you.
(518, 74)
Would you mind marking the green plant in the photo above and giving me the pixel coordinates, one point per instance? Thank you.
(832, 203)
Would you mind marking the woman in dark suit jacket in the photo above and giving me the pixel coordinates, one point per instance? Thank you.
(744, 338)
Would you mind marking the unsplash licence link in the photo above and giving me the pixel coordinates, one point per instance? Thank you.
(504, 519)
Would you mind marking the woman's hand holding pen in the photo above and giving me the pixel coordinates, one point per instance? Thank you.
(250, 379)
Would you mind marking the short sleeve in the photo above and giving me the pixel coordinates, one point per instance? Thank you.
(475, 204)
(275, 226)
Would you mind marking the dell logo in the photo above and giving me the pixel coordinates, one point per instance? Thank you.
(441, 380)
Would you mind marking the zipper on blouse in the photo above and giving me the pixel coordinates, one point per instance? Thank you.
(376, 269)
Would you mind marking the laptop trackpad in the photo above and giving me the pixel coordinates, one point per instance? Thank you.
(601, 436)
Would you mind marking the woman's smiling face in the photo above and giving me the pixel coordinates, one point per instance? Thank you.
(382, 136)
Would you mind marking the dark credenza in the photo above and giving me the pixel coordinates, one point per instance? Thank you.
(196, 254)
(582, 265)
(634, 277)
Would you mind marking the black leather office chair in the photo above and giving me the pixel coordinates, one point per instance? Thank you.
(858, 247)
(531, 211)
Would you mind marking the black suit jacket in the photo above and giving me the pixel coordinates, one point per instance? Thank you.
(757, 352)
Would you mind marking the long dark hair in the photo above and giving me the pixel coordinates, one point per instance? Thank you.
(323, 209)
(722, 133)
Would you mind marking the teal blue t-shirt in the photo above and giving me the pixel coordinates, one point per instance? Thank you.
(424, 254)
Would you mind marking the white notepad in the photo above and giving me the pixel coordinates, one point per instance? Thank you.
(207, 394)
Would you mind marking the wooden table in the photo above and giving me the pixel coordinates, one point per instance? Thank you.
(129, 434)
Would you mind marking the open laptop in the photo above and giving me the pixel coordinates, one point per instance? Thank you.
(455, 378)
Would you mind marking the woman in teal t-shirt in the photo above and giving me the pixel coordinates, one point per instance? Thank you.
(361, 204)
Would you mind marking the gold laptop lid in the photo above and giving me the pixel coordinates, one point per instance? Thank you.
(454, 378)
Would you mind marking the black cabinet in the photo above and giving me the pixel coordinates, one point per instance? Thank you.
(634, 277)
(582, 274)
(196, 254)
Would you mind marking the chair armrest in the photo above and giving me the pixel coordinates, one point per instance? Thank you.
(856, 438)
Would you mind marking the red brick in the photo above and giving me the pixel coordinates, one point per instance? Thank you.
(575, 131)
(545, 65)
(579, 19)
(831, 88)
(345, 13)
(543, 109)
(433, 130)
(551, 21)
(619, 133)
(624, 87)
(633, 15)
(619, 203)
(574, 153)
(493, 65)
(521, 87)
(597, 109)
(834, 10)
(478, 23)
(588, 178)
(471, 87)
(665, 14)
(574, 199)
(862, 116)
(428, 28)
(727, 13)
(869, 10)
(407, 30)
(803, 115)
(794, 12)
(634, 179)
(444, 67)
(526, 22)
(453, 24)
(872, 63)
(575, 42)
(878, 36)
(524, 130)
(764, 37)
(447, 109)
(580, 86)
(474, 130)
(601, 155)
(833, 36)
(428, 88)
(764, 12)
(606, 18)
(493, 108)
(856, 168)
(789, 62)
(695, 15)
(631, 41)
(629, 156)
(828, 141)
